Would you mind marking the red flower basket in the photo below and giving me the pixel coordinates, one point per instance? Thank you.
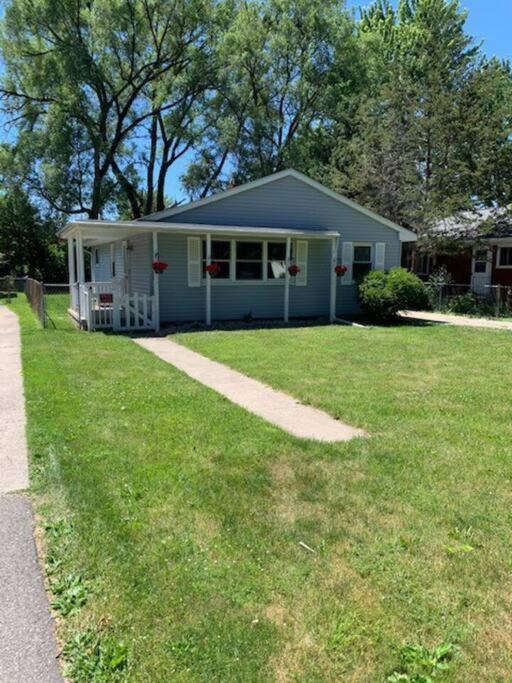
(159, 267)
(213, 269)
(340, 270)
(294, 270)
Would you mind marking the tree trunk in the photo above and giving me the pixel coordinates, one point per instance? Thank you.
(151, 165)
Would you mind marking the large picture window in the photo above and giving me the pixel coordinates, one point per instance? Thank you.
(362, 262)
(249, 261)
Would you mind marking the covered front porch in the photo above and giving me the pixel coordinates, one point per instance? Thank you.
(125, 291)
(109, 302)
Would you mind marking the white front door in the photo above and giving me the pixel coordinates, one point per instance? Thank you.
(481, 271)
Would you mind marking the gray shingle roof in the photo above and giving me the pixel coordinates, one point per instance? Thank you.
(468, 225)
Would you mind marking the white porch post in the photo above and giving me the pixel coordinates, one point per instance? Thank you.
(71, 261)
(80, 257)
(287, 280)
(208, 280)
(73, 294)
(334, 258)
(156, 285)
(83, 303)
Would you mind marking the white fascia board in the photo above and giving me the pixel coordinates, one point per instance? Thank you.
(96, 229)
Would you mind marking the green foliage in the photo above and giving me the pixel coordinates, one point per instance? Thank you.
(419, 665)
(70, 593)
(281, 62)
(383, 294)
(399, 110)
(407, 289)
(103, 94)
(28, 241)
(464, 303)
(94, 656)
(435, 121)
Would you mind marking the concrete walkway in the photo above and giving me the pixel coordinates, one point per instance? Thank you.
(27, 642)
(13, 445)
(278, 408)
(460, 320)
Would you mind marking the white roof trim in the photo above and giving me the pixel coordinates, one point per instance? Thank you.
(100, 229)
(405, 234)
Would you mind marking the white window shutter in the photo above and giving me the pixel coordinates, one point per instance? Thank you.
(301, 259)
(194, 261)
(347, 258)
(380, 255)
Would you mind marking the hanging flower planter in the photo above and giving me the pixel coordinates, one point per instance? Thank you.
(340, 270)
(294, 270)
(159, 267)
(213, 269)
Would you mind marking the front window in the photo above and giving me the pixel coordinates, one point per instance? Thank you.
(221, 254)
(249, 261)
(362, 263)
(480, 261)
(505, 257)
(423, 264)
(276, 260)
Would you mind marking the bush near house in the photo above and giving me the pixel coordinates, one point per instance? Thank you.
(382, 294)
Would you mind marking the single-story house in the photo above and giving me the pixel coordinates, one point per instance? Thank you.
(475, 247)
(266, 249)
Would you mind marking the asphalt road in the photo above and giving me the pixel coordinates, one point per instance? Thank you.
(27, 642)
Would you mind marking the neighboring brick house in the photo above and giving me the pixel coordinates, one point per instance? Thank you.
(475, 247)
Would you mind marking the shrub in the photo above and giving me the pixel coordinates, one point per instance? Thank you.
(408, 290)
(437, 279)
(382, 294)
(464, 303)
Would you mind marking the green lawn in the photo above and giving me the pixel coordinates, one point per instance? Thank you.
(173, 518)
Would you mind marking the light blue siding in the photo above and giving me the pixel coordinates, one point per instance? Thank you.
(288, 203)
(230, 300)
(139, 264)
(102, 272)
(140, 274)
(284, 203)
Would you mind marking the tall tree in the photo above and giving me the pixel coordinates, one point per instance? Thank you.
(82, 79)
(277, 64)
(426, 102)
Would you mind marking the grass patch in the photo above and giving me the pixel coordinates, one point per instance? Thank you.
(182, 515)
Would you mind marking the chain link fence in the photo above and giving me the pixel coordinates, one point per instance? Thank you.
(49, 301)
(57, 302)
(494, 301)
(34, 291)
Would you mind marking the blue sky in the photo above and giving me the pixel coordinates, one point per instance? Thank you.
(489, 21)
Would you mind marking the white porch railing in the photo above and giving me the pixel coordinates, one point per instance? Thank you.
(105, 306)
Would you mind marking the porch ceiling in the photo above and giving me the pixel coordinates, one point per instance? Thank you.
(96, 232)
